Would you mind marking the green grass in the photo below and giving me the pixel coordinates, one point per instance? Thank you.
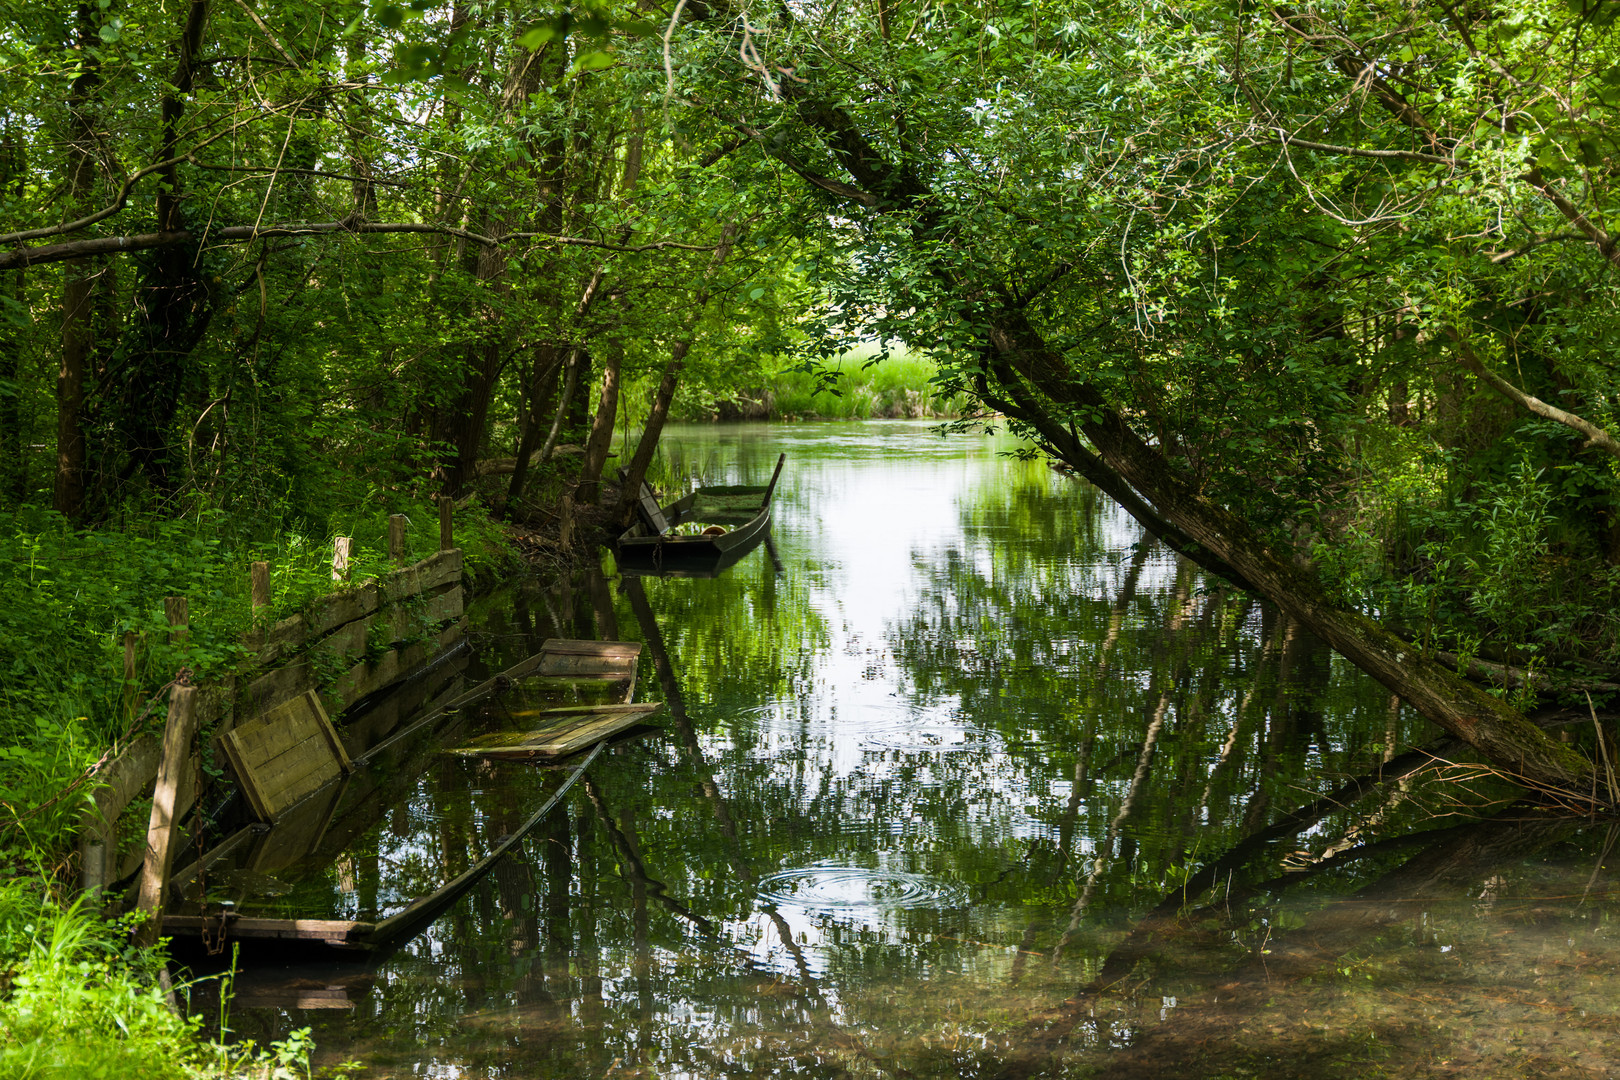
(76, 1001)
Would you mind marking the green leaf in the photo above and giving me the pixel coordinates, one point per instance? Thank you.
(538, 36)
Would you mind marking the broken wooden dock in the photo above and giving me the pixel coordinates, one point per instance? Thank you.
(310, 805)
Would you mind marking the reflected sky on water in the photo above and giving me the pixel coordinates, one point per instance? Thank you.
(921, 805)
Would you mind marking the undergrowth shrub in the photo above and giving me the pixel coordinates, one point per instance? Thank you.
(73, 594)
(1482, 565)
(77, 1001)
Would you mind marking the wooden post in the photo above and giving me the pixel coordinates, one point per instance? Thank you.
(341, 546)
(178, 612)
(447, 534)
(565, 521)
(177, 735)
(259, 572)
(132, 696)
(396, 539)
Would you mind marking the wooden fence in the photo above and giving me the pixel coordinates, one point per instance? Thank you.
(344, 646)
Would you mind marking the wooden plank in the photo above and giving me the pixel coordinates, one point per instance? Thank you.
(177, 734)
(420, 696)
(332, 931)
(651, 513)
(128, 773)
(579, 647)
(367, 677)
(396, 538)
(563, 744)
(286, 754)
(322, 997)
(339, 609)
(275, 687)
(565, 664)
(552, 742)
(576, 710)
(432, 572)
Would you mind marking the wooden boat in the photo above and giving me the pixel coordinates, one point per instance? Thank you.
(283, 879)
(738, 520)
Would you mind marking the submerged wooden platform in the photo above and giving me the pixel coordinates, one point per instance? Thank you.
(309, 826)
(573, 728)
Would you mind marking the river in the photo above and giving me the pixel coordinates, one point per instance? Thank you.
(932, 798)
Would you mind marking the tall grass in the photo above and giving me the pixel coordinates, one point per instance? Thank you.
(76, 1001)
(853, 387)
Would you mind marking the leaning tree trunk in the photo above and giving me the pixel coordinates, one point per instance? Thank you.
(636, 471)
(1502, 734)
(665, 395)
(548, 361)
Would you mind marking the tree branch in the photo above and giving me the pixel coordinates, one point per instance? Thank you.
(1595, 436)
(236, 234)
(835, 187)
(1356, 151)
(1573, 215)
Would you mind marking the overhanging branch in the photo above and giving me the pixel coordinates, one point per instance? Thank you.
(1595, 436)
(18, 258)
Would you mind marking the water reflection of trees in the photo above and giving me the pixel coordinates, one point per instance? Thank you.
(1223, 787)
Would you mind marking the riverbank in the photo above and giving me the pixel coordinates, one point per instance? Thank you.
(89, 636)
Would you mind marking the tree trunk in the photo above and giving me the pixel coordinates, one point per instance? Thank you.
(601, 437)
(78, 280)
(13, 323)
(548, 361)
(576, 362)
(175, 301)
(13, 452)
(665, 395)
(1486, 723)
(653, 429)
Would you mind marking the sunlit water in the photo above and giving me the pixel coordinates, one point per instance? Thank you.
(913, 793)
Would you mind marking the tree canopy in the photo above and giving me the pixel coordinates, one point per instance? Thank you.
(1323, 294)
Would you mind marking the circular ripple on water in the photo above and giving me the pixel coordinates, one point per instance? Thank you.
(839, 887)
(941, 739)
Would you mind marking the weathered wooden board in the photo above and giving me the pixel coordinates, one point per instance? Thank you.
(275, 688)
(579, 647)
(331, 931)
(369, 676)
(611, 667)
(317, 997)
(177, 734)
(285, 755)
(563, 711)
(578, 731)
(298, 832)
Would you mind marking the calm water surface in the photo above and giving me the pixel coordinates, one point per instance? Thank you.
(932, 798)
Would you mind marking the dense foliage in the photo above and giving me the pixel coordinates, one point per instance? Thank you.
(1324, 295)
